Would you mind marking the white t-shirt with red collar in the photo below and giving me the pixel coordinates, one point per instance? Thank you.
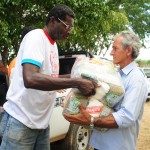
(33, 107)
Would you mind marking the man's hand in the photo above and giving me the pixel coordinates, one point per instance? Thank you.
(61, 91)
(82, 118)
(87, 87)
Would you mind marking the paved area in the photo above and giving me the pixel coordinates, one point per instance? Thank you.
(144, 134)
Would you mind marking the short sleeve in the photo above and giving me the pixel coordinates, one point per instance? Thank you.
(33, 48)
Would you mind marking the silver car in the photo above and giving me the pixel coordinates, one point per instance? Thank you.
(146, 72)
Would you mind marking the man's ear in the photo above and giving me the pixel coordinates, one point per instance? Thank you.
(52, 19)
(129, 49)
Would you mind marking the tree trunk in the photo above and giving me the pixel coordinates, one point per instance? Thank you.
(5, 56)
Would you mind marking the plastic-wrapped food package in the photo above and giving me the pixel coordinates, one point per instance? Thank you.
(93, 106)
(111, 88)
(109, 92)
(72, 100)
(97, 109)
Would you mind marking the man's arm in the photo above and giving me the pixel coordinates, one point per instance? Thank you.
(129, 111)
(83, 118)
(35, 80)
(64, 76)
(106, 122)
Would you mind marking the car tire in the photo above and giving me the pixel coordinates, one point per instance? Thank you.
(77, 138)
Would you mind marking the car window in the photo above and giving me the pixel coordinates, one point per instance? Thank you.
(66, 65)
(142, 71)
(147, 72)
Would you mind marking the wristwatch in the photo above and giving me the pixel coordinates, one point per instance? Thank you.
(92, 123)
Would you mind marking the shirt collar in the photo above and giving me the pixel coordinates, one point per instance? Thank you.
(49, 38)
(126, 70)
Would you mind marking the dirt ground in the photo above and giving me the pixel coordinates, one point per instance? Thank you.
(144, 134)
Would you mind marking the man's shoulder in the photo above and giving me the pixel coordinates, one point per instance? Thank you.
(137, 75)
(36, 32)
(34, 36)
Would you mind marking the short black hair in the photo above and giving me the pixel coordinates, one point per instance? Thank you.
(60, 11)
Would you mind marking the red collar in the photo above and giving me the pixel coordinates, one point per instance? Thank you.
(49, 38)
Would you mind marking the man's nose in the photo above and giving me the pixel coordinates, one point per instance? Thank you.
(69, 32)
(111, 52)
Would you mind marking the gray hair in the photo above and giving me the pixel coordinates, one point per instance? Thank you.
(130, 39)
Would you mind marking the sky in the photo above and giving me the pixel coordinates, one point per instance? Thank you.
(145, 52)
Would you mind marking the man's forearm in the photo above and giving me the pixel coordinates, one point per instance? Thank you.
(46, 83)
(105, 122)
(64, 76)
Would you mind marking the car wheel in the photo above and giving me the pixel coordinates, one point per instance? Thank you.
(77, 138)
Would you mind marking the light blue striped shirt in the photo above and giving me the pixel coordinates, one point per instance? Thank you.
(128, 113)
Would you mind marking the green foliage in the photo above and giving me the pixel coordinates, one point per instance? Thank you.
(138, 15)
(96, 22)
(143, 63)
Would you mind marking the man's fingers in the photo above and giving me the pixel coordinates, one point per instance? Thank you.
(66, 115)
(62, 105)
(80, 106)
(82, 109)
(61, 91)
(92, 92)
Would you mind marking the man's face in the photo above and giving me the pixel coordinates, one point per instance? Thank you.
(63, 28)
(118, 52)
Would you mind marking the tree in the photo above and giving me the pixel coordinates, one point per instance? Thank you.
(95, 24)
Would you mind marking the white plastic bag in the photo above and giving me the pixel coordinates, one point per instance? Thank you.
(72, 100)
(109, 92)
(105, 74)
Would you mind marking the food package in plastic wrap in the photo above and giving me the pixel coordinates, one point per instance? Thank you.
(109, 92)
(103, 72)
(72, 100)
(93, 106)
(97, 109)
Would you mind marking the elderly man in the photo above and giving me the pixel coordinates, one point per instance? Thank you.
(125, 121)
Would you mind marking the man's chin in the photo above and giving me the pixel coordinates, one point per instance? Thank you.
(63, 38)
(115, 62)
